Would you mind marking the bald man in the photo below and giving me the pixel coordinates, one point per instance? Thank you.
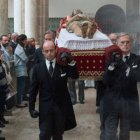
(55, 108)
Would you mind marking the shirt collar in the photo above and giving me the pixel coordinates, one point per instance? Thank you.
(2, 47)
(126, 55)
(48, 62)
(124, 59)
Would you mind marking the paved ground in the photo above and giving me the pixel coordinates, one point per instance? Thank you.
(22, 127)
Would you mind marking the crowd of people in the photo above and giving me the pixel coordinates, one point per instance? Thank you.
(20, 52)
(38, 70)
(16, 60)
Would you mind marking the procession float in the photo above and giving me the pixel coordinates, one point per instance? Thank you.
(80, 34)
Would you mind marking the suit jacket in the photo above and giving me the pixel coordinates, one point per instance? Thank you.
(38, 56)
(13, 45)
(53, 90)
(118, 85)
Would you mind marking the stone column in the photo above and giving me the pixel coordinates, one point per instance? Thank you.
(132, 8)
(132, 15)
(3, 17)
(31, 18)
(19, 16)
(42, 18)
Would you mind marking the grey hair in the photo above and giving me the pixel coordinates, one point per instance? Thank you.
(14, 34)
(113, 33)
(76, 11)
(124, 34)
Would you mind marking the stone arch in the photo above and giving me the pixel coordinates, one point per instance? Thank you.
(111, 18)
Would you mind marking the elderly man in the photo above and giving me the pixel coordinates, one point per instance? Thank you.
(55, 108)
(13, 42)
(120, 101)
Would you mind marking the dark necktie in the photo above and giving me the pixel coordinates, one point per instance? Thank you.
(126, 59)
(51, 68)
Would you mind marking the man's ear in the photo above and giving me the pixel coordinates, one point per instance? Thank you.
(43, 52)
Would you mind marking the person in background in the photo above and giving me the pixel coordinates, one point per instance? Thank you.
(9, 36)
(49, 80)
(7, 50)
(49, 35)
(8, 59)
(113, 37)
(100, 87)
(20, 61)
(3, 92)
(30, 52)
(13, 41)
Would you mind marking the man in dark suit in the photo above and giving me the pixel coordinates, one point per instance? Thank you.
(55, 108)
(13, 41)
(120, 100)
(39, 57)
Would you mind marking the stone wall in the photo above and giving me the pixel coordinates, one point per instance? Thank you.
(53, 24)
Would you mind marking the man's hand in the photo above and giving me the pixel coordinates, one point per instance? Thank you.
(66, 57)
(112, 66)
(121, 64)
(34, 113)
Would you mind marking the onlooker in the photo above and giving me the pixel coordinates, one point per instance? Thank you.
(9, 36)
(7, 50)
(3, 92)
(49, 35)
(30, 52)
(20, 61)
(13, 41)
(113, 37)
(50, 81)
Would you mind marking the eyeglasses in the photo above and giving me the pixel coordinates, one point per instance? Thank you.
(125, 42)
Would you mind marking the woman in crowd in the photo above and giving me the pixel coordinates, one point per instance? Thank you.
(20, 61)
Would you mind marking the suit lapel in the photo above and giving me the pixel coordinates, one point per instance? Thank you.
(131, 60)
(46, 72)
(56, 72)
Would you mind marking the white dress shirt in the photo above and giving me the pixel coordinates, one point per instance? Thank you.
(48, 63)
(124, 59)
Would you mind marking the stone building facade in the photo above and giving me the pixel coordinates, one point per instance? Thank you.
(34, 17)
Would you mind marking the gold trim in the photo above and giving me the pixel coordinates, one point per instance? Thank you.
(91, 73)
(88, 53)
(96, 78)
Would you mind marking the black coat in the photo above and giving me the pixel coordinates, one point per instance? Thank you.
(13, 45)
(38, 56)
(3, 90)
(118, 85)
(30, 52)
(53, 90)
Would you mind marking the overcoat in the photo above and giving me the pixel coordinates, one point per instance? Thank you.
(53, 90)
(118, 85)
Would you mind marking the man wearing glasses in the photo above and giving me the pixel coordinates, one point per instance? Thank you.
(120, 102)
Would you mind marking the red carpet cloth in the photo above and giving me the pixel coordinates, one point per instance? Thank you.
(90, 63)
(88, 53)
